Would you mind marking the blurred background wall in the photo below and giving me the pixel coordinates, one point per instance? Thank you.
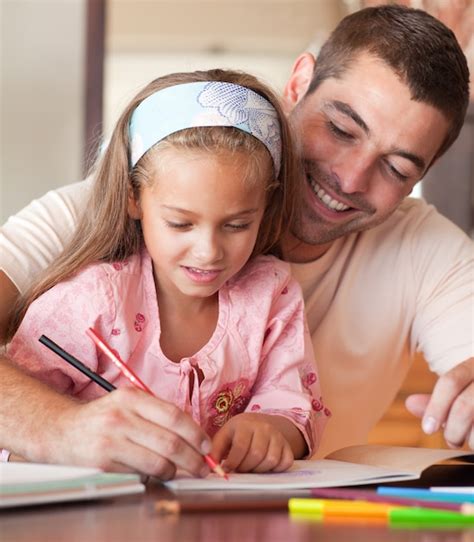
(260, 36)
(43, 68)
(41, 97)
(49, 120)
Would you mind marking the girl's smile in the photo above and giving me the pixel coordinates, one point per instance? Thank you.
(202, 276)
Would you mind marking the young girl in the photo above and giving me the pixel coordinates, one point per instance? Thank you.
(168, 265)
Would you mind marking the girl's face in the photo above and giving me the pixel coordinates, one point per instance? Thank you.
(200, 220)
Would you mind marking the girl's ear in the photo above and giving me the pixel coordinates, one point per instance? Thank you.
(299, 81)
(134, 210)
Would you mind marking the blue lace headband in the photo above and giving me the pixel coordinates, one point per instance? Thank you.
(204, 104)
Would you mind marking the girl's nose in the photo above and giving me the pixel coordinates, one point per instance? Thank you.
(207, 249)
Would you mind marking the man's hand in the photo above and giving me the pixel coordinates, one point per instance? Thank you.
(450, 406)
(253, 443)
(126, 430)
(129, 430)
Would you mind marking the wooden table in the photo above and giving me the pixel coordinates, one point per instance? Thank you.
(133, 518)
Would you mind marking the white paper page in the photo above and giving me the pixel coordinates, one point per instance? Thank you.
(29, 484)
(32, 473)
(303, 474)
(81, 494)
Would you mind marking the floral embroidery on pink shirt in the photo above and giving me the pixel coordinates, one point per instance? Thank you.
(118, 266)
(139, 321)
(318, 406)
(255, 407)
(308, 376)
(309, 379)
(227, 402)
(115, 331)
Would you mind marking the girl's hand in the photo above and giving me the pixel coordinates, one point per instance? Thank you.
(253, 443)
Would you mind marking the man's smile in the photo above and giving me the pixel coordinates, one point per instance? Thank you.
(326, 199)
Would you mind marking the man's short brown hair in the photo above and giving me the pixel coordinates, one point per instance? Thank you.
(420, 49)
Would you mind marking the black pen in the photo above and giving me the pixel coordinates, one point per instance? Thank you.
(76, 363)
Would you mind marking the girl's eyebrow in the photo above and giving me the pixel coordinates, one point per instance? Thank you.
(244, 212)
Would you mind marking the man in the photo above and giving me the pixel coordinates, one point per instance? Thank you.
(383, 277)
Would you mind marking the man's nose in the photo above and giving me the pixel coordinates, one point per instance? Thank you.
(355, 173)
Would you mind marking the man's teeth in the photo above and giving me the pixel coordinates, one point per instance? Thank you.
(327, 200)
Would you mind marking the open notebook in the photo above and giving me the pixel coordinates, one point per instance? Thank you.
(24, 484)
(355, 465)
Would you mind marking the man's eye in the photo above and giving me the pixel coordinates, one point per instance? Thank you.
(394, 171)
(339, 132)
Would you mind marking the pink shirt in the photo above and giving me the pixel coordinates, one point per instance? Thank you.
(259, 358)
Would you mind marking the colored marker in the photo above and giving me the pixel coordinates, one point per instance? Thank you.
(425, 494)
(423, 516)
(372, 496)
(328, 508)
(457, 489)
(339, 508)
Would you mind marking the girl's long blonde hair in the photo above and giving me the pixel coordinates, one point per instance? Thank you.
(106, 232)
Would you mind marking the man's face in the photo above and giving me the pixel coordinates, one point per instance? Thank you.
(365, 144)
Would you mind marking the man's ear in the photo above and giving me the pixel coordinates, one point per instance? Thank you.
(134, 210)
(299, 81)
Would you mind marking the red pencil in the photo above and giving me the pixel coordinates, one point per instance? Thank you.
(133, 378)
(126, 371)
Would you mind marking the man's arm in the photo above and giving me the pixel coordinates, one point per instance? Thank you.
(450, 406)
(443, 264)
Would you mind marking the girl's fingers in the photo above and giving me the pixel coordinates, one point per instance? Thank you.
(241, 443)
(257, 450)
(286, 460)
(273, 455)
